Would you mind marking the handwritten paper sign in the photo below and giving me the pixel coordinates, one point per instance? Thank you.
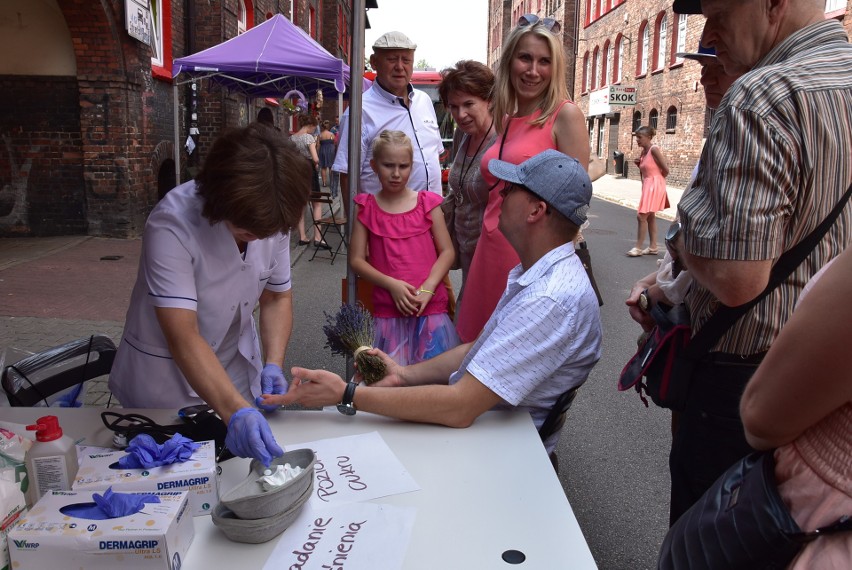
(356, 468)
(354, 536)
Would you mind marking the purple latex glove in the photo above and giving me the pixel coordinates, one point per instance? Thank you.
(272, 381)
(249, 435)
(144, 452)
(110, 505)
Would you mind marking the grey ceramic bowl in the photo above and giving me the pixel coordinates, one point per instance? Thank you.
(255, 531)
(249, 501)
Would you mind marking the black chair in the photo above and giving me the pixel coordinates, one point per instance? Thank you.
(332, 223)
(34, 379)
(556, 419)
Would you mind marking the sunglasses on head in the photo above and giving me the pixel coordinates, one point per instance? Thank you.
(531, 20)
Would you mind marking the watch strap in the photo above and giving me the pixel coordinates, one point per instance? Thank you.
(349, 394)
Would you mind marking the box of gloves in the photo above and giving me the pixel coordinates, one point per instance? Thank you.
(100, 469)
(61, 531)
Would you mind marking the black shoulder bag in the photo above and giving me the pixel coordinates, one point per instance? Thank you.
(668, 355)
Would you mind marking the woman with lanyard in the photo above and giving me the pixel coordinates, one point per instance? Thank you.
(532, 113)
(466, 91)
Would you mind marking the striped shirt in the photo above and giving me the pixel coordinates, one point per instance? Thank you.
(778, 159)
(543, 338)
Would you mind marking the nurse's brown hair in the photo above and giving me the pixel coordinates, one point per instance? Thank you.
(255, 179)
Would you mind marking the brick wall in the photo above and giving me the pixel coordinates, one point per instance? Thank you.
(41, 168)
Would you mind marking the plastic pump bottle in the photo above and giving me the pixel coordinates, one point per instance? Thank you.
(51, 461)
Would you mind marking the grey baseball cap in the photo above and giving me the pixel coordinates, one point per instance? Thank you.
(554, 177)
(394, 40)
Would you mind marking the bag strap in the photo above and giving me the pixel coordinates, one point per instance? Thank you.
(843, 524)
(725, 317)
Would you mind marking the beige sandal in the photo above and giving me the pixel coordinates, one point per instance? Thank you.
(649, 251)
(635, 252)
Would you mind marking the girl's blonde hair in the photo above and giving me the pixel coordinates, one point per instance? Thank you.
(391, 138)
(505, 99)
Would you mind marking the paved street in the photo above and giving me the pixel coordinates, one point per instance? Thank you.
(613, 453)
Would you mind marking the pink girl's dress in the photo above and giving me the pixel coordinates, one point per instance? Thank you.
(654, 196)
(401, 245)
(494, 256)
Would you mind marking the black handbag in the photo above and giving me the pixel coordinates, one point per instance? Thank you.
(667, 360)
(741, 522)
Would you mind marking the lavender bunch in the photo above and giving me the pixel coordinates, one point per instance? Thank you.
(347, 331)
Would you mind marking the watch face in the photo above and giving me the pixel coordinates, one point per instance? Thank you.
(346, 409)
(673, 232)
(644, 302)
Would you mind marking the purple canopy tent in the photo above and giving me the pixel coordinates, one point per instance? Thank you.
(268, 60)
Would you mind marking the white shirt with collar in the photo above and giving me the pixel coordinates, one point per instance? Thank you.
(381, 111)
(187, 263)
(543, 338)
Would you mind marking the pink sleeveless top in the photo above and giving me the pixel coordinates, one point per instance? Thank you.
(401, 245)
(494, 256)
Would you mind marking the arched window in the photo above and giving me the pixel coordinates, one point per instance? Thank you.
(642, 52)
(618, 60)
(241, 17)
(606, 63)
(671, 119)
(637, 120)
(652, 118)
(585, 72)
(595, 63)
(679, 39)
(660, 42)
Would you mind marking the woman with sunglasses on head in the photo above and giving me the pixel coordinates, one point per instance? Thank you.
(532, 113)
(466, 90)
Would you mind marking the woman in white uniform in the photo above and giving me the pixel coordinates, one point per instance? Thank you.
(212, 249)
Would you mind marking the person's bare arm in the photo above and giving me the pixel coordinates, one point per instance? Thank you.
(658, 155)
(732, 282)
(198, 363)
(632, 302)
(806, 373)
(276, 324)
(454, 406)
(570, 134)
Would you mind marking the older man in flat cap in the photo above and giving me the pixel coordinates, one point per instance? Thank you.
(776, 162)
(393, 104)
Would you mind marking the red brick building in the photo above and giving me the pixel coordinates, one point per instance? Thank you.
(625, 49)
(632, 44)
(86, 127)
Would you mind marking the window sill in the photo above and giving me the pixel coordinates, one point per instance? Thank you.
(676, 64)
(161, 73)
(658, 71)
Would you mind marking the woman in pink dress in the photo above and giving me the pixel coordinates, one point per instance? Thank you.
(653, 169)
(532, 113)
(800, 402)
(410, 252)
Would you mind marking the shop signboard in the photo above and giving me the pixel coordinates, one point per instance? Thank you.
(137, 16)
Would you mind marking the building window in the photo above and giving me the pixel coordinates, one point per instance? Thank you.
(241, 17)
(679, 40)
(834, 5)
(642, 61)
(595, 58)
(161, 38)
(652, 119)
(637, 120)
(312, 22)
(618, 60)
(606, 63)
(660, 51)
(671, 119)
(586, 72)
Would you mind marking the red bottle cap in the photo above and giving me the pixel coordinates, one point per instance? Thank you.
(46, 428)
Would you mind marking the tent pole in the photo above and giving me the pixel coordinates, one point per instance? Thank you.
(356, 88)
(177, 144)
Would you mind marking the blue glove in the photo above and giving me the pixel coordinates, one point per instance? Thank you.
(110, 505)
(249, 435)
(144, 452)
(272, 381)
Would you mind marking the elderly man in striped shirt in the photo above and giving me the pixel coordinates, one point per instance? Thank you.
(777, 160)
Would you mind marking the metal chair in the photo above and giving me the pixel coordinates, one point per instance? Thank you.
(556, 419)
(332, 223)
(33, 380)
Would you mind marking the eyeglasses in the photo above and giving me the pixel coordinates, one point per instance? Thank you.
(531, 20)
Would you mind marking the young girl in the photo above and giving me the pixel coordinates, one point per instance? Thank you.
(410, 251)
(653, 169)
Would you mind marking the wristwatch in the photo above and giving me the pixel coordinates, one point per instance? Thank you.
(671, 237)
(644, 301)
(346, 407)
(672, 234)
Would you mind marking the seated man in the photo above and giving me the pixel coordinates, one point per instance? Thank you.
(542, 340)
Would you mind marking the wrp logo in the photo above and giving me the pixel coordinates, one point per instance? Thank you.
(24, 544)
